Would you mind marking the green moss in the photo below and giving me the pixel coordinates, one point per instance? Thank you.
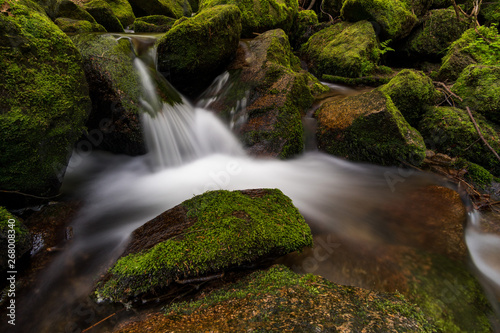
(490, 13)
(438, 30)
(69, 9)
(392, 16)
(77, 26)
(458, 137)
(371, 80)
(471, 48)
(153, 23)
(418, 7)
(479, 87)
(230, 229)
(258, 16)
(412, 92)
(368, 127)
(476, 174)
(44, 101)
(123, 11)
(269, 300)
(172, 8)
(21, 231)
(104, 15)
(343, 49)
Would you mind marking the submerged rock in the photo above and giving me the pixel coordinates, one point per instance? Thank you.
(412, 92)
(343, 49)
(479, 87)
(260, 16)
(44, 99)
(12, 231)
(471, 48)
(195, 50)
(171, 8)
(368, 127)
(263, 96)
(153, 23)
(104, 15)
(279, 300)
(392, 18)
(450, 131)
(210, 233)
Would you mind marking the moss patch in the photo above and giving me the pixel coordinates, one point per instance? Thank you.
(123, 11)
(17, 231)
(343, 49)
(44, 99)
(153, 23)
(78, 26)
(104, 15)
(171, 8)
(227, 229)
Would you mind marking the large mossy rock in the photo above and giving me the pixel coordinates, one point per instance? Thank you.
(412, 92)
(343, 49)
(471, 48)
(104, 15)
(479, 87)
(258, 16)
(418, 7)
(430, 41)
(171, 8)
(368, 127)
(77, 26)
(264, 95)
(69, 9)
(15, 241)
(210, 233)
(195, 50)
(44, 99)
(115, 90)
(153, 23)
(279, 300)
(391, 17)
(450, 131)
(123, 11)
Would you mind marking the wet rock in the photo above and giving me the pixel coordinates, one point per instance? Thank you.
(15, 241)
(450, 131)
(439, 28)
(170, 8)
(479, 87)
(368, 127)
(260, 16)
(392, 18)
(206, 235)
(153, 23)
(280, 300)
(104, 15)
(44, 100)
(470, 49)
(196, 50)
(263, 96)
(78, 26)
(343, 49)
(412, 93)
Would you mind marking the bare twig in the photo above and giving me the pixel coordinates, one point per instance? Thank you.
(481, 135)
(445, 87)
(103, 320)
(311, 4)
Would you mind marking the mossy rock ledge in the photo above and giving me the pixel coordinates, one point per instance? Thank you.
(195, 50)
(368, 127)
(44, 99)
(210, 233)
(264, 96)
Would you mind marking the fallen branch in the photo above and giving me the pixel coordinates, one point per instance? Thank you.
(481, 135)
(101, 321)
(445, 87)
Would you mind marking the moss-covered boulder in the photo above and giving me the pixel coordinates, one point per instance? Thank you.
(458, 137)
(479, 87)
(391, 17)
(104, 15)
(15, 241)
(258, 16)
(343, 49)
(279, 300)
(368, 127)
(412, 93)
(115, 91)
(418, 7)
(210, 233)
(171, 8)
(264, 95)
(430, 41)
(471, 48)
(123, 11)
(195, 50)
(44, 99)
(69, 9)
(153, 23)
(77, 26)
(300, 33)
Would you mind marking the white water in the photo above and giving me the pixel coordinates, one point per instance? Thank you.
(190, 152)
